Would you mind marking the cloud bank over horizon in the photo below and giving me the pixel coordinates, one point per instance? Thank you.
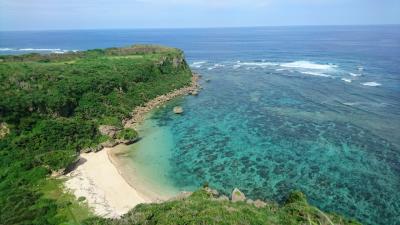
(98, 14)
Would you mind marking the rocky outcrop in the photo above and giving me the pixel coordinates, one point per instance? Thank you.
(194, 93)
(223, 198)
(93, 149)
(4, 130)
(128, 142)
(109, 144)
(108, 130)
(259, 204)
(237, 196)
(212, 192)
(178, 110)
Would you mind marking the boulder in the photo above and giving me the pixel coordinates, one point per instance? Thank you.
(109, 144)
(178, 110)
(259, 204)
(86, 150)
(97, 148)
(130, 141)
(212, 192)
(108, 130)
(237, 196)
(4, 130)
(223, 198)
(249, 201)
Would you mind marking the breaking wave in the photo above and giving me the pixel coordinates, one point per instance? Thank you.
(52, 50)
(316, 74)
(371, 84)
(308, 65)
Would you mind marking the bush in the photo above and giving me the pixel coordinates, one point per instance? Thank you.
(127, 134)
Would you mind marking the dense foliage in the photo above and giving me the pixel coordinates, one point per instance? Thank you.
(51, 107)
(204, 208)
(127, 134)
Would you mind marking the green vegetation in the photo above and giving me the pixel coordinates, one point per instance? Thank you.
(51, 107)
(202, 207)
(69, 209)
(127, 134)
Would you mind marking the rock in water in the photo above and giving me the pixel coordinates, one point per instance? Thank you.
(178, 110)
(237, 196)
(194, 93)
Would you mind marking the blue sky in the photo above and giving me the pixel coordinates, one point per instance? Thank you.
(94, 14)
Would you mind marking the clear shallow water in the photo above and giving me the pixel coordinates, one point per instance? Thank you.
(309, 108)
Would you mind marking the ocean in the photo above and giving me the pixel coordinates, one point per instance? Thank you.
(310, 108)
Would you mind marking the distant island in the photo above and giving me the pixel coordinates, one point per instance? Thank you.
(58, 109)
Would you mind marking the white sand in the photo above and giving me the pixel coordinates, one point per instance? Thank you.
(106, 191)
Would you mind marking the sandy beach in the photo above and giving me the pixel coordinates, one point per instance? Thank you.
(105, 190)
(98, 179)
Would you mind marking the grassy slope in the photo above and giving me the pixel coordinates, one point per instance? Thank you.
(204, 208)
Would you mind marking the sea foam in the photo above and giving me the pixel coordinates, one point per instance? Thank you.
(197, 64)
(355, 74)
(371, 84)
(316, 74)
(52, 50)
(346, 80)
(259, 64)
(308, 65)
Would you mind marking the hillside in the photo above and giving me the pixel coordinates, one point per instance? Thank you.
(206, 206)
(51, 108)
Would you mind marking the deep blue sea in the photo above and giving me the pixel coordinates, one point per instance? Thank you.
(282, 108)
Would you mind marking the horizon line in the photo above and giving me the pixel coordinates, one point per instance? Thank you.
(216, 27)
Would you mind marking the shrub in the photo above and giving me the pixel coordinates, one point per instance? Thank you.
(127, 134)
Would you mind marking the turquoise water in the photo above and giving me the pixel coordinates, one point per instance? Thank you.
(309, 108)
(283, 133)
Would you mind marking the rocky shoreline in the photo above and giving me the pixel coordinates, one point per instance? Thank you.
(139, 113)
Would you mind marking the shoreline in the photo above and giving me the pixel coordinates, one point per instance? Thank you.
(139, 113)
(98, 176)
